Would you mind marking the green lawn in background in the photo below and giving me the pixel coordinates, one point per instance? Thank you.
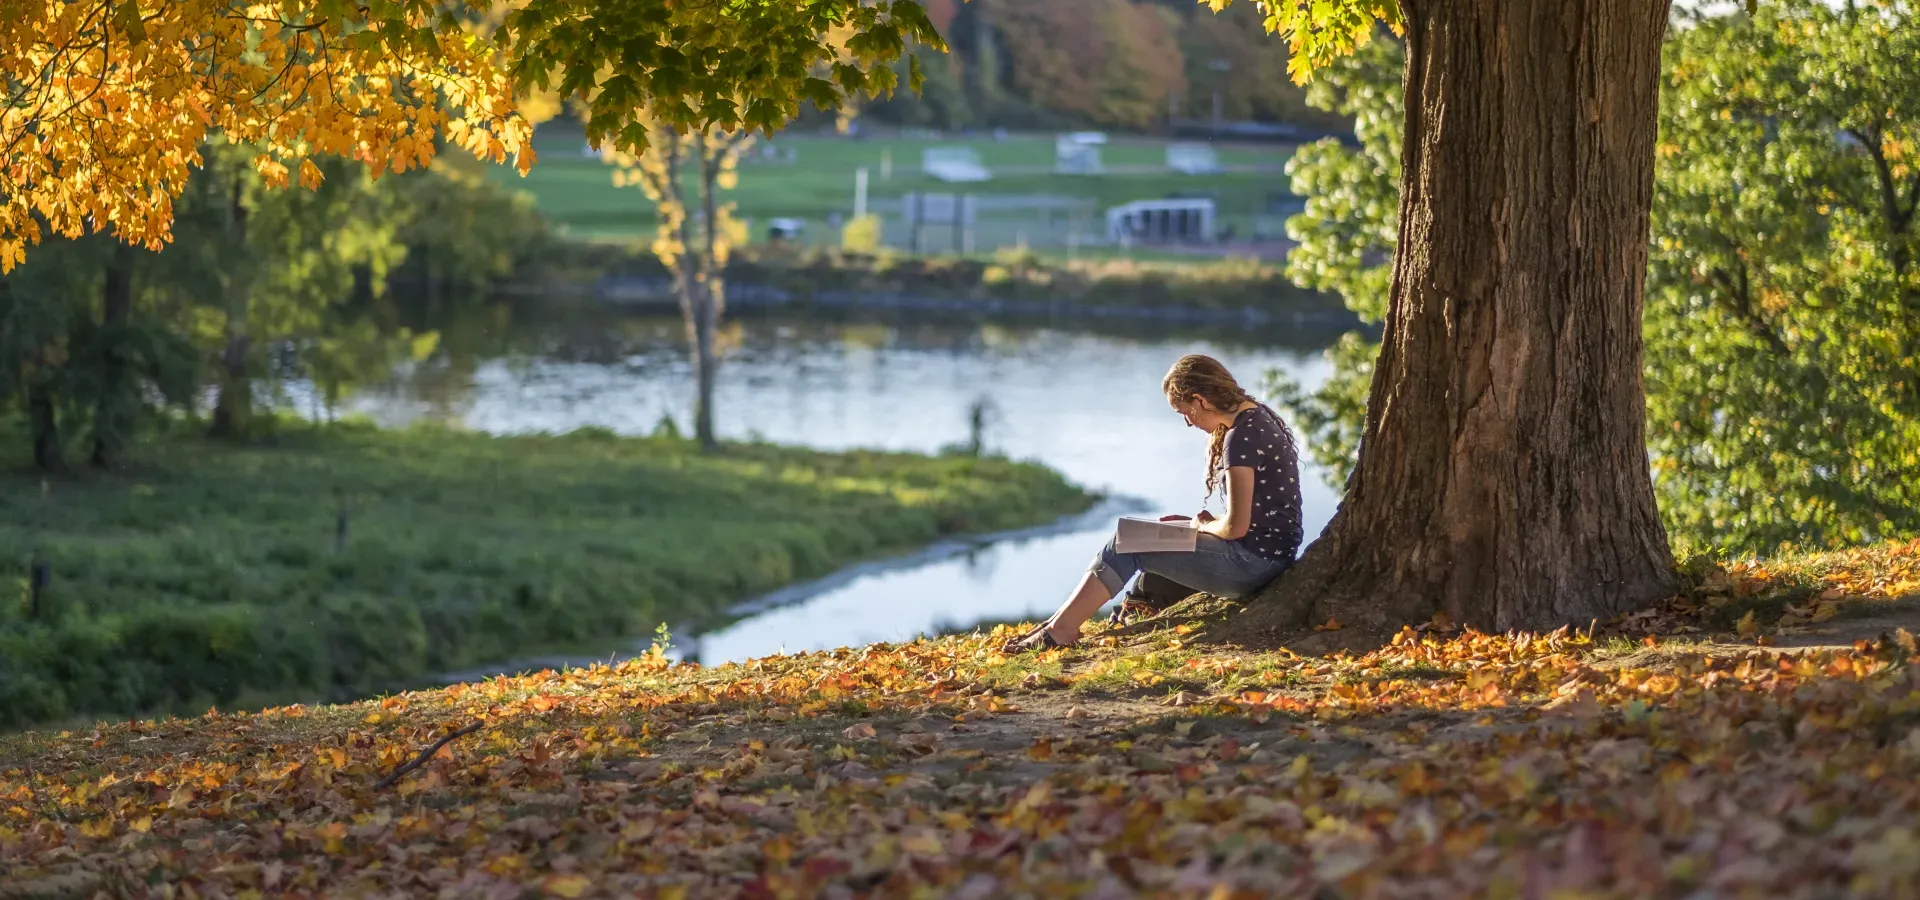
(576, 191)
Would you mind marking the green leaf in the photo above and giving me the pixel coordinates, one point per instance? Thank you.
(127, 16)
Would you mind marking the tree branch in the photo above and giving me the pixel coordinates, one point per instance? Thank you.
(1913, 202)
(1736, 297)
(425, 755)
(50, 811)
(1889, 190)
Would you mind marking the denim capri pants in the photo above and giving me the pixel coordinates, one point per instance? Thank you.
(1215, 566)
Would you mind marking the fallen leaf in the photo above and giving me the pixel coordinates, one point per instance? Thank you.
(566, 885)
(860, 732)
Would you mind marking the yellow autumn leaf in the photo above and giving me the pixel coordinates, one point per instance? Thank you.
(566, 885)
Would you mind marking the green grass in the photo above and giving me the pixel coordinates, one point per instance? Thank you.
(210, 573)
(576, 191)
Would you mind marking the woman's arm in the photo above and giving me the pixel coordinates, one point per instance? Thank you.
(1232, 525)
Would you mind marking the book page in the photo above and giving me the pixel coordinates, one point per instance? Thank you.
(1148, 536)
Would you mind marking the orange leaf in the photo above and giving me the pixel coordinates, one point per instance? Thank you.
(860, 732)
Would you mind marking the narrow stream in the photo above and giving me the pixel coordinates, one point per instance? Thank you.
(1086, 404)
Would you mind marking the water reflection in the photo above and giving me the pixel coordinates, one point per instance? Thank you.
(1087, 404)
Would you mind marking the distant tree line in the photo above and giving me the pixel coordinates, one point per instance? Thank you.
(1118, 64)
(259, 287)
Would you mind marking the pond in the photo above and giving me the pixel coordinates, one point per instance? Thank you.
(1084, 402)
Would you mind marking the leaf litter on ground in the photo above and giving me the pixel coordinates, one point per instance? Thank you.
(1671, 753)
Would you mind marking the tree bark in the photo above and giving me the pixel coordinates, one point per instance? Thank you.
(1503, 476)
(708, 293)
(704, 326)
(113, 409)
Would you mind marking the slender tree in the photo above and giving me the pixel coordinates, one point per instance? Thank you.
(117, 401)
(694, 248)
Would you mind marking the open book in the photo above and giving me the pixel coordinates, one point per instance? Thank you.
(1150, 536)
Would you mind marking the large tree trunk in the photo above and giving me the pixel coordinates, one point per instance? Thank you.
(113, 413)
(1503, 476)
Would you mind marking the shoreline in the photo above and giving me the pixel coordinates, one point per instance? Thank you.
(640, 294)
(800, 592)
(452, 548)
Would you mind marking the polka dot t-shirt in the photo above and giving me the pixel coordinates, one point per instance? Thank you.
(1258, 440)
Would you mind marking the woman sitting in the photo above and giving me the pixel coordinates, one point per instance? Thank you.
(1235, 554)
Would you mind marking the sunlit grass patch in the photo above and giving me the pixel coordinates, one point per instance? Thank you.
(214, 572)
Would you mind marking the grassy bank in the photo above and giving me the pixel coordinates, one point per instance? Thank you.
(213, 570)
(1658, 756)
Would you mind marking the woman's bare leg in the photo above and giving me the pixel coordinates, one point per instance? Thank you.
(1086, 600)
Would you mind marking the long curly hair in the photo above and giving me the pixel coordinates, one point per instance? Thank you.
(1196, 375)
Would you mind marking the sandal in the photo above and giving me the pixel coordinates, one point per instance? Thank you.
(1040, 638)
(1133, 612)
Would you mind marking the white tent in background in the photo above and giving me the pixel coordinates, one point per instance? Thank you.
(1172, 221)
(1193, 159)
(951, 164)
(1078, 153)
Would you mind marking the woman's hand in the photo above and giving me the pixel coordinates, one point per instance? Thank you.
(1233, 525)
(1204, 517)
